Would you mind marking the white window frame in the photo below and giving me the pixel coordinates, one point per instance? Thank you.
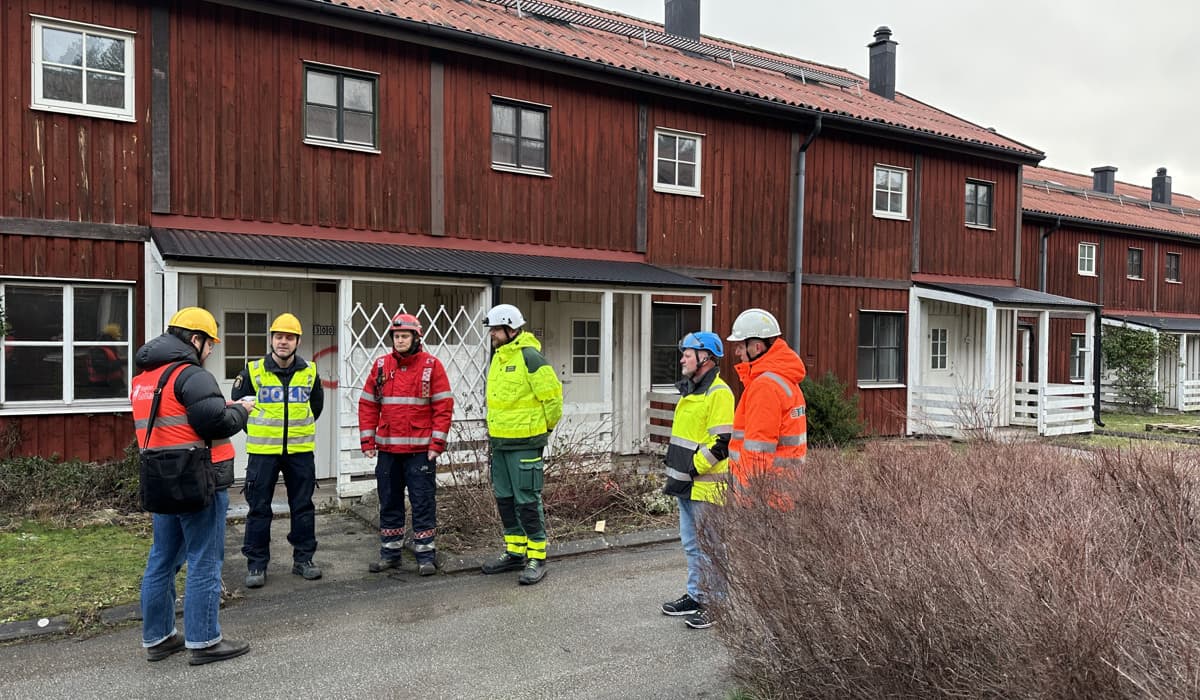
(585, 356)
(674, 188)
(1141, 263)
(1178, 278)
(1078, 356)
(902, 215)
(39, 101)
(1088, 269)
(67, 346)
(939, 349)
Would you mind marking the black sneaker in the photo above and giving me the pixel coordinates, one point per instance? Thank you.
(307, 569)
(256, 578)
(222, 650)
(535, 570)
(383, 565)
(426, 568)
(165, 648)
(686, 605)
(701, 620)
(505, 562)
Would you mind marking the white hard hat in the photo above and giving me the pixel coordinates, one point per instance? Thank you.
(754, 323)
(504, 315)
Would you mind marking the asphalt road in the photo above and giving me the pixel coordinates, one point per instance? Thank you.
(592, 629)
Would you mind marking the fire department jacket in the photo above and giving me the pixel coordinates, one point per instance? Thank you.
(192, 405)
(696, 458)
(406, 404)
(770, 429)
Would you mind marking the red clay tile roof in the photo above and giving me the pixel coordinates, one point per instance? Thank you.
(1060, 193)
(489, 18)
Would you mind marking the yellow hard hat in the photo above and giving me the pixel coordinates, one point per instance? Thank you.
(194, 318)
(287, 323)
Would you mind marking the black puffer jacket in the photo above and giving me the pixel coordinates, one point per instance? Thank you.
(195, 388)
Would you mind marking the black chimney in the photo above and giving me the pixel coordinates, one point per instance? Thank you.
(1104, 178)
(883, 64)
(1160, 187)
(683, 19)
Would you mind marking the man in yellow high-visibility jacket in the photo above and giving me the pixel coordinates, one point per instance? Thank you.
(280, 437)
(524, 403)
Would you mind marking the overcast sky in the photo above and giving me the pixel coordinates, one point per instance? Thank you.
(1088, 82)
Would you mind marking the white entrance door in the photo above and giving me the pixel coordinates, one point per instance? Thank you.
(243, 316)
(938, 355)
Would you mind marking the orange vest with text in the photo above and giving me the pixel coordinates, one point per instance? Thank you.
(171, 427)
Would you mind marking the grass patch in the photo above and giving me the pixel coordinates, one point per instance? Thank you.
(1136, 422)
(47, 571)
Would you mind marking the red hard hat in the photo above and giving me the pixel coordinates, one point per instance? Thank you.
(406, 322)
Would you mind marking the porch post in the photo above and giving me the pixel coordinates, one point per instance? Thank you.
(1181, 373)
(606, 351)
(1043, 367)
(706, 313)
(643, 385)
(347, 405)
(915, 332)
(990, 338)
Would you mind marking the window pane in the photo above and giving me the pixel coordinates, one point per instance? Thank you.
(666, 146)
(691, 319)
(256, 345)
(579, 346)
(100, 373)
(533, 154)
(665, 173)
(504, 120)
(104, 90)
(881, 178)
(321, 122)
(234, 344)
(105, 53)
(664, 366)
(593, 328)
(322, 88)
(100, 314)
(504, 149)
(593, 346)
(687, 150)
(233, 367)
(895, 202)
(33, 374)
(866, 330)
(881, 201)
(359, 127)
(235, 323)
(985, 195)
(889, 332)
(866, 364)
(593, 365)
(895, 180)
(579, 365)
(970, 193)
(65, 84)
(359, 94)
(889, 365)
(33, 313)
(687, 175)
(533, 124)
(257, 323)
(59, 46)
(971, 214)
(663, 325)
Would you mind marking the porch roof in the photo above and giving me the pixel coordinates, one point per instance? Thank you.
(1013, 296)
(1162, 323)
(284, 251)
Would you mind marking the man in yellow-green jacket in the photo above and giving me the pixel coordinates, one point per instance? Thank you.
(524, 403)
(697, 465)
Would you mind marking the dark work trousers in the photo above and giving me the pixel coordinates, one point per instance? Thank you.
(393, 473)
(300, 477)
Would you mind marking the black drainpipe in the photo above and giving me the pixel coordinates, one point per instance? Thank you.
(1042, 253)
(798, 234)
(1096, 370)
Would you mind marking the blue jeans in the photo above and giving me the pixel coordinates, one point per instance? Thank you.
(701, 574)
(300, 477)
(198, 539)
(395, 471)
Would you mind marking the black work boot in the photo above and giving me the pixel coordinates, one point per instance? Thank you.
(307, 569)
(224, 649)
(383, 565)
(505, 562)
(535, 570)
(165, 648)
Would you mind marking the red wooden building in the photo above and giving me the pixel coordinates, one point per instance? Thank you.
(622, 181)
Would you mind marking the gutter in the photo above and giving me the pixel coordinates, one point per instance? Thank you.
(758, 105)
(798, 237)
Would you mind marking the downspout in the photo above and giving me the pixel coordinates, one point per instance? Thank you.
(798, 236)
(1042, 253)
(1096, 371)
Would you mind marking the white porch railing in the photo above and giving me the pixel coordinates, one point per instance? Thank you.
(951, 411)
(1189, 395)
(1061, 410)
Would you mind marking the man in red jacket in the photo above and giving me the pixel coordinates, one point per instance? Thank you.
(404, 417)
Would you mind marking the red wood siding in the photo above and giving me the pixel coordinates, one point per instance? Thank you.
(842, 236)
(829, 343)
(237, 125)
(61, 166)
(948, 245)
(590, 198)
(99, 437)
(1123, 293)
(1062, 261)
(1184, 296)
(741, 221)
(1061, 330)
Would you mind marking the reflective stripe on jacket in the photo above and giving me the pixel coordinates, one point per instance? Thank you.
(770, 428)
(282, 422)
(524, 396)
(406, 405)
(697, 456)
(171, 426)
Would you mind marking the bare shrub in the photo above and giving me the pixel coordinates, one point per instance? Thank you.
(986, 570)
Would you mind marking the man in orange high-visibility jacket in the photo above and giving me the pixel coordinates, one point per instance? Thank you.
(192, 411)
(770, 429)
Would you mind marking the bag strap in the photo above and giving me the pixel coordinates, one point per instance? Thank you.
(162, 382)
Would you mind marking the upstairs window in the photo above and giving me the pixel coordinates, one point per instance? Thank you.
(520, 137)
(669, 323)
(880, 353)
(891, 192)
(979, 204)
(1087, 259)
(1133, 264)
(1172, 267)
(677, 162)
(339, 108)
(1078, 357)
(82, 69)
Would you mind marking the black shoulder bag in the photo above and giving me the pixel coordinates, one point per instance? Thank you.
(174, 480)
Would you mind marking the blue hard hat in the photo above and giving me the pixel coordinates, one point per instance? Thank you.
(703, 340)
